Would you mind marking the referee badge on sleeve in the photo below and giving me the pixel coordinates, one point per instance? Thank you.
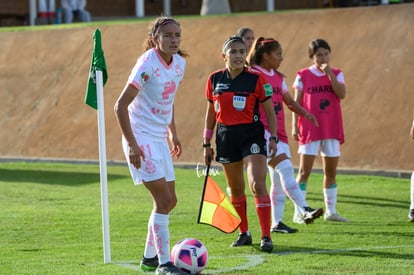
(268, 89)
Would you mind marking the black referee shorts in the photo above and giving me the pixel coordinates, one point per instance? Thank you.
(233, 143)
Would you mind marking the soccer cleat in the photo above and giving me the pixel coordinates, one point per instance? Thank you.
(311, 214)
(169, 269)
(266, 244)
(335, 218)
(242, 239)
(149, 264)
(283, 228)
(411, 215)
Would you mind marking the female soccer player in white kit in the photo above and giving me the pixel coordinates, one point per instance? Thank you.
(145, 114)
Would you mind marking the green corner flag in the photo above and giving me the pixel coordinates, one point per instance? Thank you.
(97, 64)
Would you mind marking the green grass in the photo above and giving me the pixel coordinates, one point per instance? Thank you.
(50, 223)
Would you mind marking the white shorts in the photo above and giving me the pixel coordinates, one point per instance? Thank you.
(281, 146)
(328, 147)
(158, 162)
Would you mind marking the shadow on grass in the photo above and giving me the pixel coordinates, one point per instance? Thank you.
(377, 252)
(365, 200)
(54, 177)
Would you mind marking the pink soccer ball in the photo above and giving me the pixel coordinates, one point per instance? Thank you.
(190, 255)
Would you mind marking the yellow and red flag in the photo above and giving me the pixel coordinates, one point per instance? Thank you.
(216, 209)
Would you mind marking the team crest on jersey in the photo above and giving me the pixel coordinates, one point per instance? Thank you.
(150, 167)
(157, 72)
(239, 103)
(268, 89)
(254, 149)
(179, 71)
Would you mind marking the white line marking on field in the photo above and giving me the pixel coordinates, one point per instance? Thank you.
(128, 265)
(332, 251)
(255, 260)
(252, 261)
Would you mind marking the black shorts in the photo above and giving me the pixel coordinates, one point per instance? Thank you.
(233, 143)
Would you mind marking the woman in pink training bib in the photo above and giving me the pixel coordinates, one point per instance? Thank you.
(145, 114)
(319, 89)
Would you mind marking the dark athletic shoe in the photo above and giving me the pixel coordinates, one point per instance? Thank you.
(242, 239)
(169, 269)
(283, 228)
(411, 215)
(311, 214)
(266, 244)
(149, 264)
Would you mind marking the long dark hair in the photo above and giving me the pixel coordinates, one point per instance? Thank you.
(260, 46)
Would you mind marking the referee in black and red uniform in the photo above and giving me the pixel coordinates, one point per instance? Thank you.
(234, 95)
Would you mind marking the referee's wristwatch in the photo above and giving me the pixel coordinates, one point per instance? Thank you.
(275, 138)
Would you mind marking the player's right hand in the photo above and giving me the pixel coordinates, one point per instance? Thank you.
(135, 156)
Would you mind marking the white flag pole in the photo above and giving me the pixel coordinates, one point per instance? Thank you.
(102, 165)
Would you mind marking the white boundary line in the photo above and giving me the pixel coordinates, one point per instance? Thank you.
(255, 260)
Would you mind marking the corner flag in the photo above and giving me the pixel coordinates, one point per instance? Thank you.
(97, 64)
(216, 209)
(94, 98)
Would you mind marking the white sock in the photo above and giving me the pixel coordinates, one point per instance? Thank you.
(412, 191)
(330, 197)
(162, 237)
(289, 184)
(277, 197)
(150, 251)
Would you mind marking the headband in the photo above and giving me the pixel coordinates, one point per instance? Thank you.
(163, 23)
(231, 40)
(266, 41)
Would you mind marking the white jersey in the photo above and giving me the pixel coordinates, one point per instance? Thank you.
(151, 111)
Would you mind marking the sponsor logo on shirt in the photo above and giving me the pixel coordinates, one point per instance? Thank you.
(222, 86)
(323, 103)
(320, 89)
(169, 88)
(277, 107)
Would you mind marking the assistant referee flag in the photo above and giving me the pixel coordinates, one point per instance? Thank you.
(216, 209)
(97, 64)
